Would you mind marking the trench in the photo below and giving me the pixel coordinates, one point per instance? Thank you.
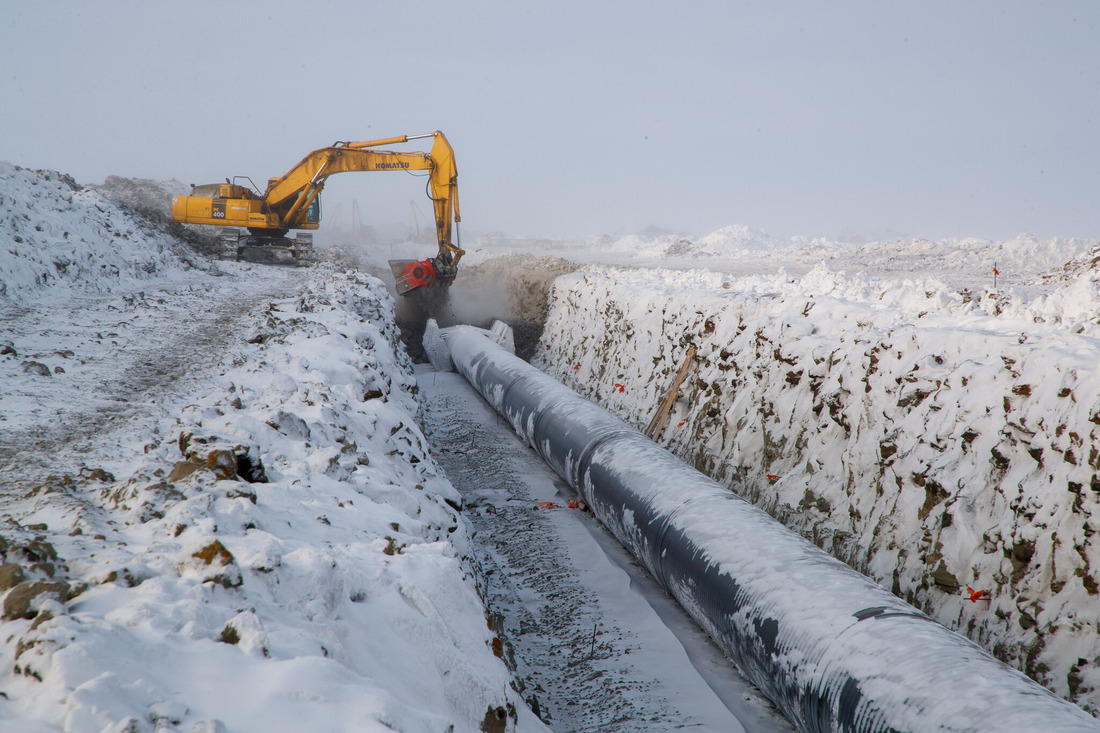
(513, 288)
(594, 643)
(831, 648)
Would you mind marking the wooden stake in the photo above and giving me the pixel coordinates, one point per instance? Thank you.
(657, 424)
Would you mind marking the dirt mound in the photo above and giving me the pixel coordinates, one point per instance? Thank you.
(152, 201)
(1079, 265)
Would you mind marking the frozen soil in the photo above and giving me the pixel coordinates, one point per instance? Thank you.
(221, 465)
(265, 512)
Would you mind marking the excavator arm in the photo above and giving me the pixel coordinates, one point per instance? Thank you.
(288, 201)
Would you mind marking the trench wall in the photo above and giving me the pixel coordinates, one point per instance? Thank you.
(934, 440)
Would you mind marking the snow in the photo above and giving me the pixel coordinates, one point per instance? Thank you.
(920, 423)
(265, 543)
(59, 237)
(739, 250)
(931, 436)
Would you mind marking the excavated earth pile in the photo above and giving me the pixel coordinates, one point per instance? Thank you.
(220, 465)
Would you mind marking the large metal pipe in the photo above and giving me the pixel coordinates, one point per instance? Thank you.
(832, 649)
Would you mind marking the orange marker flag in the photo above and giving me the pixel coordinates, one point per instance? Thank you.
(975, 595)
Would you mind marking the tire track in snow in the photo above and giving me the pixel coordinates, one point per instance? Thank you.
(131, 353)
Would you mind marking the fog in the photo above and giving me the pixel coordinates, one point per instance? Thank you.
(847, 120)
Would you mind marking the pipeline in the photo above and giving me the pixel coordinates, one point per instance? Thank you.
(832, 649)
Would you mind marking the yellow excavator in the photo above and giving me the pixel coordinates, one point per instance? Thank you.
(293, 202)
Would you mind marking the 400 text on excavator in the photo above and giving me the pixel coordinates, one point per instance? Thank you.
(293, 202)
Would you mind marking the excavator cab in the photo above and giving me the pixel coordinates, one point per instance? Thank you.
(313, 211)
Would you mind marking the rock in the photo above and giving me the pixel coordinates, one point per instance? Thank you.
(97, 474)
(290, 425)
(227, 458)
(42, 618)
(496, 719)
(214, 554)
(11, 575)
(6, 348)
(247, 633)
(182, 470)
(47, 568)
(942, 577)
(37, 550)
(215, 564)
(19, 601)
(229, 635)
(37, 368)
(223, 463)
(54, 485)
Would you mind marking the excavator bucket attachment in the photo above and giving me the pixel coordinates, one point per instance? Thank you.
(412, 274)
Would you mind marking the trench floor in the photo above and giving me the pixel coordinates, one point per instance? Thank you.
(595, 641)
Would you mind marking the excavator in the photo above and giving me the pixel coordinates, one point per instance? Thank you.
(293, 202)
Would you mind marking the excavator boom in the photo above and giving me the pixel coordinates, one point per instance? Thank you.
(292, 200)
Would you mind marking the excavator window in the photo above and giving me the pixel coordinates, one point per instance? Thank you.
(313, 213)
(209, 190)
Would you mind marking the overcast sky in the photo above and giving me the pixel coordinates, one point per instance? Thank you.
(845, 119)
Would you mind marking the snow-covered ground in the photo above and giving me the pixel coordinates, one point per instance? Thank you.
(220, 510)
(966, 262)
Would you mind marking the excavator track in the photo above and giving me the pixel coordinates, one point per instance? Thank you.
(268, 250)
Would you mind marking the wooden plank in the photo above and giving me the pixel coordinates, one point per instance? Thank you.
(657, 424)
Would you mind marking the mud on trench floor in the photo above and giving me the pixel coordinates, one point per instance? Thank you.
(596, 644)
